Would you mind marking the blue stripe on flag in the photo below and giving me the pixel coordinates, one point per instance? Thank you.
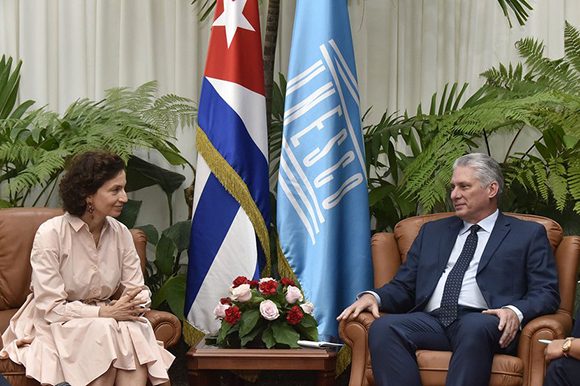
(216, 118)
(210, 224)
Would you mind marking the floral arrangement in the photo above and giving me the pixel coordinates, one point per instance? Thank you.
(266, 313)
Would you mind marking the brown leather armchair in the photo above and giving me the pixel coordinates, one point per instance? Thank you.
(389, 250)
(17, 229)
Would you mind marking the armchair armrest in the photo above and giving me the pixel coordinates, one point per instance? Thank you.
(167, 327)
(355, 334)
(553, 326)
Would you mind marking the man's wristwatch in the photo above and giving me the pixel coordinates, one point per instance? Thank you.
(567, 345)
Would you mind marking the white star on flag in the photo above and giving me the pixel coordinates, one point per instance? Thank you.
(232, 18)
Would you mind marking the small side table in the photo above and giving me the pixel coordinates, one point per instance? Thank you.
(204, 362)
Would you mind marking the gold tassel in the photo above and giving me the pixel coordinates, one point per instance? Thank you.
(343, 359)
(234, 184)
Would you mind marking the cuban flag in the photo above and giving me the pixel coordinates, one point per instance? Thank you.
(229, 234)
(322, 200)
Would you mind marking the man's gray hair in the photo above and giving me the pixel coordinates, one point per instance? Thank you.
(487, 170)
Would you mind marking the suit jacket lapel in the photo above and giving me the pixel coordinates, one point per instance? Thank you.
(500, 231)
(447, 242)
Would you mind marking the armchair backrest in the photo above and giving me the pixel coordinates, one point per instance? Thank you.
(389, 250)
(18, 227)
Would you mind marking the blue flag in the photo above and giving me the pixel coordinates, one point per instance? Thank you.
(323, 212)
(231, 203)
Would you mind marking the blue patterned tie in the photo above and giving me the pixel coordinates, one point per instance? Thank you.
(448, 309)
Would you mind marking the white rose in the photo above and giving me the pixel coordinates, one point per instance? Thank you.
(269, 310)
(241, 293)
(293, 294)
(307, 307)
(220, 310)
(264, 279)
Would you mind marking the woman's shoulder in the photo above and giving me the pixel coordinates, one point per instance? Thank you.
(116, 225)
(53, 223)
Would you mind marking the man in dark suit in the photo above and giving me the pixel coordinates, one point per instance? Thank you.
(470, 282)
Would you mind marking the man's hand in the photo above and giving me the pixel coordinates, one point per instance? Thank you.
(126, 308)
(365, 302)
(508, 323)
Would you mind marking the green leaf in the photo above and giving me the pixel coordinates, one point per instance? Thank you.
(151, 232)
(173, 157)
(165, 254)
(172, 292)
(570, 141)
(268, 337)
(223, 333)
(4, 204)
(130, 212)
(308, 321)
(251, 336)
(285, 334)
(377, 195)
(248, 321)
(20, 110)
(142, 174)
(180, 233)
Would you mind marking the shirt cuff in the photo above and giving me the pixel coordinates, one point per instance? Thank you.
(88, 311)
(372, 293)
(517, 311)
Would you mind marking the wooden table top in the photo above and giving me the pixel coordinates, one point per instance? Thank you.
(204, 357)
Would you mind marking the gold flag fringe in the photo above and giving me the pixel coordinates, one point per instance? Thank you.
(343, 359)
(236, 186)
(192, 335)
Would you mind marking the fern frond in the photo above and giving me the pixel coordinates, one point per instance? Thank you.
(558, 74)
(558, 182)
(572, 45)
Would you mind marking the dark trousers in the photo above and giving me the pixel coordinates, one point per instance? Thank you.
(3, 381)
(473, 338)
(563, 372)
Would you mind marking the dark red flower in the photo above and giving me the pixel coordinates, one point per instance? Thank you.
(286, 282)
(233, 315)
(268, 287)
(294, 316)
(254, 283)
(226, 301)
(238, 281)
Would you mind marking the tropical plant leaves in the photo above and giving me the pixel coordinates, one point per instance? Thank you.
(35, 145)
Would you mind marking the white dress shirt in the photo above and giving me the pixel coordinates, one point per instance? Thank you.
(470, 295)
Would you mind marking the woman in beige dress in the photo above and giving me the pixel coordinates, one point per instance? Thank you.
(83, 321)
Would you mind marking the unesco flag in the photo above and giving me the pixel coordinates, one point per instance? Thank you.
(322, 208)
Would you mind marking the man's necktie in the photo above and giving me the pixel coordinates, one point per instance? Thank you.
(448, 309)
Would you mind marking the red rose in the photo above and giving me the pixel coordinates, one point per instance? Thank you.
(286, 282)
(254, 283)
(238, 281)
(233, 315)
(226, 301)
(294, 316)
(268, 287)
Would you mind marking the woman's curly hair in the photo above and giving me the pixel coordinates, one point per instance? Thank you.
(86, 173)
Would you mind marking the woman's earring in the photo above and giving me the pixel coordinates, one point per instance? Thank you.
(90, 209)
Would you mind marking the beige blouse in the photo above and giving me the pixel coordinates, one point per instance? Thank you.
(64, 248)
